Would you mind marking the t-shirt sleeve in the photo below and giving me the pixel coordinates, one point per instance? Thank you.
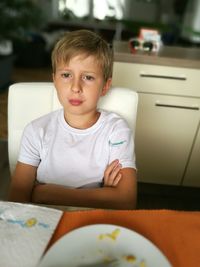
(29, 152)
(121, 145)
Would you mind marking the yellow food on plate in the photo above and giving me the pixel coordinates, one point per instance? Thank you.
(130, 258)
(143, 264)
(112, 235)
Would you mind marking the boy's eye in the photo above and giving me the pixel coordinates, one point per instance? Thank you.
(66, 75)
(88, 78)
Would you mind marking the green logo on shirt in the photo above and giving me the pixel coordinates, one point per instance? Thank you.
(117, 143)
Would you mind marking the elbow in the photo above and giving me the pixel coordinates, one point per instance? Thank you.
(128, 204)
(128, 200)
(18, 196)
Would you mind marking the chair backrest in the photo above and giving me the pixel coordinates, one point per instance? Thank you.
(28, 101)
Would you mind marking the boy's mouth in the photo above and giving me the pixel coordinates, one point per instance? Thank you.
(75, 102)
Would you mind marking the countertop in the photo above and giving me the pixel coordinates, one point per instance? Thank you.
(166, 56)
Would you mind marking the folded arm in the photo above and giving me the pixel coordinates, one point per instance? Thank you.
(22, 183)
(118, 192)
(122, 196)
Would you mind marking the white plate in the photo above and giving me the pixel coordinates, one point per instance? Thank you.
(101, 243)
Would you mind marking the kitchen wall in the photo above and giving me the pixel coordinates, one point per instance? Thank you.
(191, 22)
(153, 13)
(136, 10)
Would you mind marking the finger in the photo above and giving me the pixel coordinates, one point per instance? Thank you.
(111, 166)
(114, 182)
(115, 172)
(117, 179)
(110, 179)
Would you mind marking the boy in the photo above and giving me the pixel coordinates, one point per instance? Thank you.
(73, 156)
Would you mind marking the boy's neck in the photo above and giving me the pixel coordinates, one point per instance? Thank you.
(82, 122)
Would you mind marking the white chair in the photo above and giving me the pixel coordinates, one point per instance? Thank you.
(27, 101)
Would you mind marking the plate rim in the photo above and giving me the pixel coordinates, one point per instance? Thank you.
(88, 226)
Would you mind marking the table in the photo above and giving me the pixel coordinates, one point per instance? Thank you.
(175, 233)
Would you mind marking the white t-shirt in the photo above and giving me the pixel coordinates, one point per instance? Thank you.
(75, 157)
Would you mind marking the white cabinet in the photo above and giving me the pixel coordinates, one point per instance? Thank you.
(192, 175)
(164, 136)
(167, 145)
(157, 79)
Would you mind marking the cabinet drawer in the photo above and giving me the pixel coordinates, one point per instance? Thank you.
(165, 132)
(157, 79)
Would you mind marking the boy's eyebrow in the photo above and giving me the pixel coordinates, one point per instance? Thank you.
(68, 69)
(63, 68)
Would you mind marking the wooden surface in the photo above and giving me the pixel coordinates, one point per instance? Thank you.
(167, 56)
(4, 170)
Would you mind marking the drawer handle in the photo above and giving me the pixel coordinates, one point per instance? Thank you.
(180, 78)
(176, 106)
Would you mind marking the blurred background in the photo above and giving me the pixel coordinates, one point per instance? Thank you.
(30, 28)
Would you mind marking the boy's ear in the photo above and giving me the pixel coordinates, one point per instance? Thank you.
(106, 87)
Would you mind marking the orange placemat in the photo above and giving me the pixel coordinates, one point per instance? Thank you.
(175, 233)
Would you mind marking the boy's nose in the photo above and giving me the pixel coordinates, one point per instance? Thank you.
(76, 86)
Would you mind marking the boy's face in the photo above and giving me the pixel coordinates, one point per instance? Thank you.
(80, 84)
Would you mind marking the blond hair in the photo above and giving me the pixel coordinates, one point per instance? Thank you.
(83, 42)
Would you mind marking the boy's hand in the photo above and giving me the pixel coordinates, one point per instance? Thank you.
(112, 174)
